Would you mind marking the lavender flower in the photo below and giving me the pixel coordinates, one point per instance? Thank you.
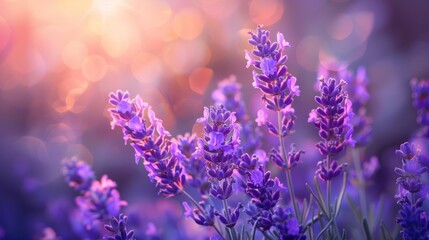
(228, 94)
(204, 215)
(229, 219)
(412, 218)
(220, 141)
(332, 119)
(192, 159)
(101, 201)
(150, 141)
(287, 225)
(118, 227)
(420, 93)
(271, 76)
(78, 174)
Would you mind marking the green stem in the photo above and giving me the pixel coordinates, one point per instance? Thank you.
(202, 210)
(288, 172)
(361, 182)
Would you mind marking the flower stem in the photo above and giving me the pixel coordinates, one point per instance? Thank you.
(288, 172)
(201, 209)
(231, 231)
(361, 182)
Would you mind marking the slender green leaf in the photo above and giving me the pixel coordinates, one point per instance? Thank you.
(254, 229)
(355, 210)
(366, 229)
(341, 196)
(386, 234)
(319, 202)
(319, 192)
(325, 228)
(242, 233)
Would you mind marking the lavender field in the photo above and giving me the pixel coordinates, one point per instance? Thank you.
(214, 119)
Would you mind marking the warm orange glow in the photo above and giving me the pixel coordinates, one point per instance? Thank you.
(4, 33)
(147, 68)
(188, 24)
(341, 28)
(266, 12)
(74, 53)
(200, 79)
(307, 52)
(94, 68)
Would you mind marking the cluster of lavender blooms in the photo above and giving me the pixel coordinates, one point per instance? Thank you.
(420, 97)
(99, 200)
(226, 162)
(412, 194)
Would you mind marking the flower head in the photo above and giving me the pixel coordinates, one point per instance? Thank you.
(78, 174)
(102, 200)
(118, 227)
(271, 76)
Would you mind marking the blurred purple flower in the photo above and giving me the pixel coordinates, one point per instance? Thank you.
(205, 218)
(101, 201)
(420, 96)
(77, 174)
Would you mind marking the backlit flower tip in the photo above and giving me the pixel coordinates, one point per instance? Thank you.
(407, 151)
(234, 214)
(420, 96)
(287, 225)
(327, 174)
(102, 200)
(293, 88)
(413, 220)
(77, 174)
(282, 42)
(262, 118)
(357, 88)
(205, 218)
(118, 227)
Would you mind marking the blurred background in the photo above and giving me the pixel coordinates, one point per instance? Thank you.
(60, 59)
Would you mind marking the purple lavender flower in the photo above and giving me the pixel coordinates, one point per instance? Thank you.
(203, 218)
(192, 159)
(420, 97)
(150, 141)
(233, 214)
(220, 141)
(412, 218)
(228, 94)
(271, 76)
(411, 171)
(101, 201)
(118, 227)
(78, 174)
(332, 119)
(287, 225)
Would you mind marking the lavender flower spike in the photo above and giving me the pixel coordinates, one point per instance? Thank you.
(271, 76)
(332, 120)
(412, 217)
(150, 142)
